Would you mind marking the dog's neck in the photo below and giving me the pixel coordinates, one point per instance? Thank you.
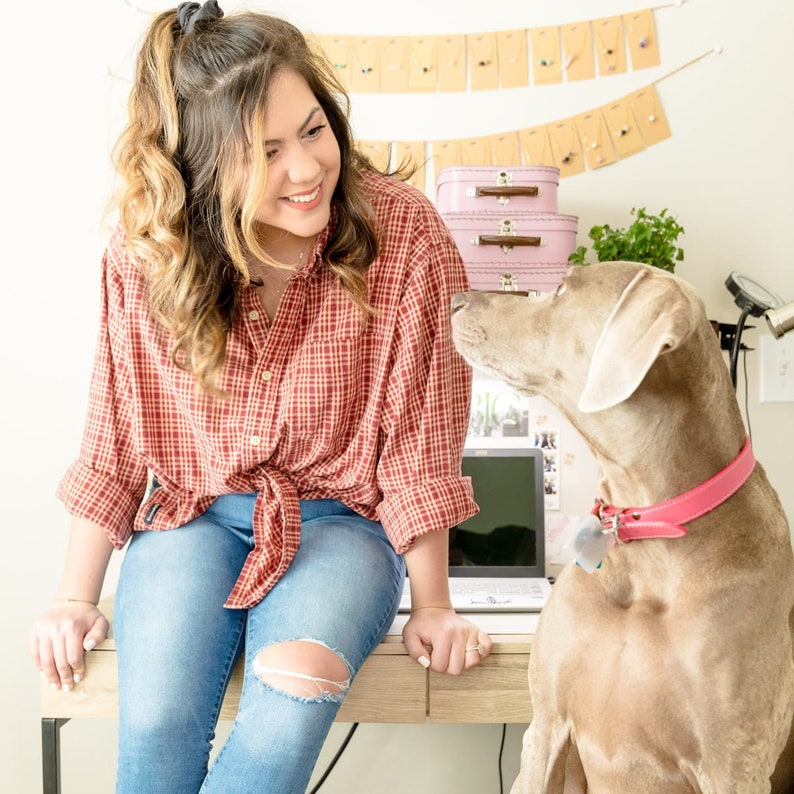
(668, 519)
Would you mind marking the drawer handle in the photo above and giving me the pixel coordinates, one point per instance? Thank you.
(507, 240)
(503, 190)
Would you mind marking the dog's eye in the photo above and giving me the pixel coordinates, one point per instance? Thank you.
(561, 289)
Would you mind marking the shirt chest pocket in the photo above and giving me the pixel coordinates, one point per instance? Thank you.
(324, 393)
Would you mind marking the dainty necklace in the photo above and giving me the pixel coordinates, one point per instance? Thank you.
(482, 51)
(575, 38)
(514, 44)
(450, 48)
(565, 154)
(394, 55)
(423, 54)
(643, 33)
(547, 53)
(609, 46)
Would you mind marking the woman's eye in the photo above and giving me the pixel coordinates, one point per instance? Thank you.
(315, 131)
(270, 154)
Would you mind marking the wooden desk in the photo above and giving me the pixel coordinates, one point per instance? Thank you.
(390, 687)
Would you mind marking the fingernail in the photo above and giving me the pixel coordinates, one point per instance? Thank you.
(89, 645)
(54, 687)
(67, 687)
(424, 661)
(77, 678)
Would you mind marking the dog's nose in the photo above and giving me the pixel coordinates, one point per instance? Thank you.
(458, 301)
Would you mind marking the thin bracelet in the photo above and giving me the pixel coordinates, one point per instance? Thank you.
(75, 601)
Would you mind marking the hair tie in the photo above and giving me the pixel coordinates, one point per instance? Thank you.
(187, 14)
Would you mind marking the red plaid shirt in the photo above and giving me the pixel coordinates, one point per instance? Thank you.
(320, 405)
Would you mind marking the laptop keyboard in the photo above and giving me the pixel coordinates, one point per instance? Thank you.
(485, 595)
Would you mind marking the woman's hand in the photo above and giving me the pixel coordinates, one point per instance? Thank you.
(440, 639)
(60, 638)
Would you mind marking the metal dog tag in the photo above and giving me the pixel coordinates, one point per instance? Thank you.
(591, 544)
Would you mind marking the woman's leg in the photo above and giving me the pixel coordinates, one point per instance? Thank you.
(304, 642)
(177, 645)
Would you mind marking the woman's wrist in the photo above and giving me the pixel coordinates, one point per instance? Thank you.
(62, 601)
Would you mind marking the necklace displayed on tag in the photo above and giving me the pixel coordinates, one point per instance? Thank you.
(575, 38)
(608, 38)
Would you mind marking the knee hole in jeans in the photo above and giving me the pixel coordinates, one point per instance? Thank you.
(305, 669)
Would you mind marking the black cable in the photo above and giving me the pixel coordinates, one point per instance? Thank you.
(737, 341)
(501, 750)
(747, 396)
(338, 755)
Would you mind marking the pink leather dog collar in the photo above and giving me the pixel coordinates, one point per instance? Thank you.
(665, 520)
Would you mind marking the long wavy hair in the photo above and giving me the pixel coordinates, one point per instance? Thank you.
(196, 121)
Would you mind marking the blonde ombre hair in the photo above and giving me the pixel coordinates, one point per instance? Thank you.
(193, 140)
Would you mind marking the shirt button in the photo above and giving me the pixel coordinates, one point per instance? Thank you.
(255, 441)
(267, 375)
(253, 315)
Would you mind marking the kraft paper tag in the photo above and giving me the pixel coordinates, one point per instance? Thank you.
(338, 50)
(365, 78)
(483, 62)
(379, 152)
(577, 49)
(623, 128)
(411, 154)
(451, 63)
(641, 38)
(610, 46)
(446, 154)
(394, 59)
(513, 58)
(422, 63)
(475, 151)
(536, 145)
(595, 138)
(546, 55)
(505, 148)
(649, 115)
(566, 147)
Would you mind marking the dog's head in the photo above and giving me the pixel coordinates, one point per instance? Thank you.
(589, 343)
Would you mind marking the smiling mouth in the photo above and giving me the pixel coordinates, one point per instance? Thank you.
(304, 198)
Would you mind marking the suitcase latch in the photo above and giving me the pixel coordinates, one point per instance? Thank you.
(508, 282)
(507, 228)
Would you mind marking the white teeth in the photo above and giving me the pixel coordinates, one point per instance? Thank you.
(305, 199)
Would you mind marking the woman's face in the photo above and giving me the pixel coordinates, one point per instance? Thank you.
(303, 161)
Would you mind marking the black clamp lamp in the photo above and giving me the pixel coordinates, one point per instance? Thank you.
(756, 300)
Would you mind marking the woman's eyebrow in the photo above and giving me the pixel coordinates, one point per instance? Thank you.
(314, 110)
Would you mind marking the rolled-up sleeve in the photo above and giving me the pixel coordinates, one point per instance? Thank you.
(427, 400)
(107, 481)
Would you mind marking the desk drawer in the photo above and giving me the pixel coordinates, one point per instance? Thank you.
(494, 691)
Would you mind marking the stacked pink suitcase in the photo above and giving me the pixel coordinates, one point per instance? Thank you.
(505, 222)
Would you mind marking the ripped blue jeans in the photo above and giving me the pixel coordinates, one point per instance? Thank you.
(303, 643)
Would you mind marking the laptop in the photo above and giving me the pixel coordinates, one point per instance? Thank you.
(497, 558)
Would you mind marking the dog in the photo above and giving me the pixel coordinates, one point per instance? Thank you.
(668, 668)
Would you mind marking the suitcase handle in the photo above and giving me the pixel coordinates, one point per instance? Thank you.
(505, 190)
(506, 240)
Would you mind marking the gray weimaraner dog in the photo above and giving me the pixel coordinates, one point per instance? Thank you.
(667, 668)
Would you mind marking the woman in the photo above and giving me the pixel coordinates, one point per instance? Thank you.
(276, 416)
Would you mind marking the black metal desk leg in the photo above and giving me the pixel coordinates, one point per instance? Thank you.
(51, 753)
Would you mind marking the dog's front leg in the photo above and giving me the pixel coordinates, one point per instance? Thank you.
(549, 762)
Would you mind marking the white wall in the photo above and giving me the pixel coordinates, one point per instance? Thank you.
(726, 173)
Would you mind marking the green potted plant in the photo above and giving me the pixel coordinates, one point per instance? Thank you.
(650, 239)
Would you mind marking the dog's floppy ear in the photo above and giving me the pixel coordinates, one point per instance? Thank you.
(652, 316)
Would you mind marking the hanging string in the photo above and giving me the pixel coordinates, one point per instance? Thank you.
(713, 51)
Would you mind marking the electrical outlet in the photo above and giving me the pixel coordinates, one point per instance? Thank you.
(777, 369)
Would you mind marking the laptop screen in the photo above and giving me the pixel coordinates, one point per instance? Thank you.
(506, 538)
